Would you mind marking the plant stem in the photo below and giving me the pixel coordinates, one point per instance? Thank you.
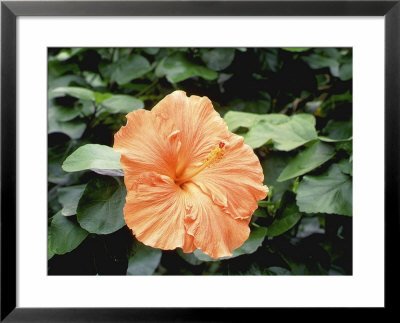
(149, 87)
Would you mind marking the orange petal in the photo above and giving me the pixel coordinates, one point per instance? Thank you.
(236, 181)
(147, 143)
(201, 127)
(155, 209)
(215, 232)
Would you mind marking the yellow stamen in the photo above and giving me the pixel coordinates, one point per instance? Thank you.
(213, 157)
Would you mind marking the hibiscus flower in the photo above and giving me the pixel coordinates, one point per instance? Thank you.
(191, 183)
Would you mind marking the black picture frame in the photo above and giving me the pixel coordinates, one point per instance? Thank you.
(10, 10)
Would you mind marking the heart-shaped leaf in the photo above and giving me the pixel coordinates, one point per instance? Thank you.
(143, 260)
(74, 128)
(69, 198)
(64, 234)
(330, 192)
(122, 104)
(177, 68)
(100, 209)
(312, 157)
(237, 119)
(126, 69)
(76, 92)
(98, 158)
(218, 58)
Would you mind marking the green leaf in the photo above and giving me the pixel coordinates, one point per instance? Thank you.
(330, 192)
(69, 198)
(59, 68)
(287, 220)
(177, 68)
(67, 53)
(326, 139)
(264, 204)
(346, 72)
(151, 50)
(336, 271)
(329, 51)
(338, 131)
(296, 49)
(218, 58)
(272, 167)
(100, 97)
(74, 129)
(318, 61)
(76, 92)
(94, 79)
(347, 146)
(269, 59)
(346, 166)
(126, 69)
(56, 155)
(100, 209)
(122, 104)
(296, 185)
(279, 271)
(312, 157)
(189, 257)
(65, 80)
(50, 253)
(286, 133)
(98, 158)
(236, 119)
(297, 268)
(254, 241)
(143, 260)
(309, 226)
(260, 212)
(60, 113)
(64, 235)
(203, 257)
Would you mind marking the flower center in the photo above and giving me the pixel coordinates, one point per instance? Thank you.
(213, 157)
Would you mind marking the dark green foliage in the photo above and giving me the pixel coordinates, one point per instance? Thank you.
(293, 106)
(100, 207)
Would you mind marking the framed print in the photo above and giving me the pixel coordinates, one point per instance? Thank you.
(187, 152)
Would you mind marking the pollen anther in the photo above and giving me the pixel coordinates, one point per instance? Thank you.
(214, 156)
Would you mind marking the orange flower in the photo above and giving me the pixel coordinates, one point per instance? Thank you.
(191, 183)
